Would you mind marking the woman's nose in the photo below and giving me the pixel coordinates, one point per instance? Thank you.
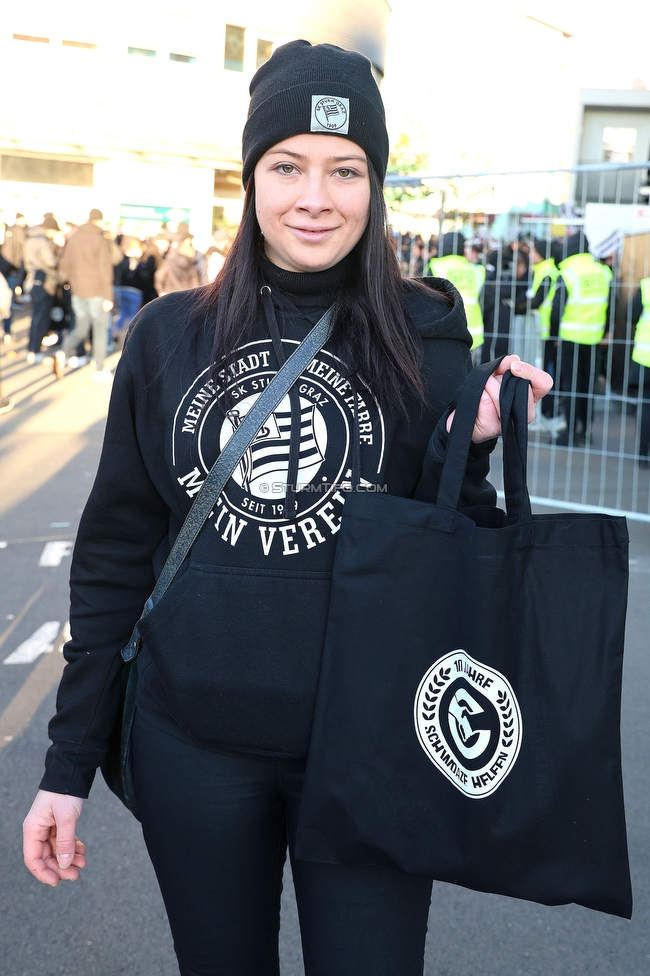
(314, 196)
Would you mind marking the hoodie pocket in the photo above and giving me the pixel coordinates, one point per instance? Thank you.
(238, 652)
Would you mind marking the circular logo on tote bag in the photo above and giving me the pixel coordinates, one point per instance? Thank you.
(468, 722)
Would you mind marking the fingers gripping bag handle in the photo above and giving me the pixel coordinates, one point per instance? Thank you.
(513, 409)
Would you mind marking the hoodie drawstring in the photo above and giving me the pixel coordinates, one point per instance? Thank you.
(355, 479)
(294, 400)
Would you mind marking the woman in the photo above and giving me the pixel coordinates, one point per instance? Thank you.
(128, 284)
(41, 260)
(230, 659)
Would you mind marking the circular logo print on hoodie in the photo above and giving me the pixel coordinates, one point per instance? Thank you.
(255, 497)
(263, 469)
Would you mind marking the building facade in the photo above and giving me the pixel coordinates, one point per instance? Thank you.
(139, 111)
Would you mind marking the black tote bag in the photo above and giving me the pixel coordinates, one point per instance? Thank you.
(468, 717)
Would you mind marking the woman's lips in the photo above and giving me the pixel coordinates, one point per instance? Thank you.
(313, 234)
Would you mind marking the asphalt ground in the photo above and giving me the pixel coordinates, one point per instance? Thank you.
(112, 920)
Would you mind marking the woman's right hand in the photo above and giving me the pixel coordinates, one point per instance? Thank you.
(51, 849)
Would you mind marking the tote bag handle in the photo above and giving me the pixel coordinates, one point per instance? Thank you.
(514, 427)
(513, 403)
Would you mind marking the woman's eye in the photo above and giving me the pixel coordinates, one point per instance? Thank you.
(286, 168)
(345, 173)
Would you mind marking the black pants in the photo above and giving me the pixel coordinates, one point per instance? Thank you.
(643, 420)
(550, 401)
(41, 307)
(217, 828)
(577, 365)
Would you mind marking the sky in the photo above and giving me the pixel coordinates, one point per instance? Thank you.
(482, 85)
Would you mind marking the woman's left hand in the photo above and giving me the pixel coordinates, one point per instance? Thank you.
(488, 418)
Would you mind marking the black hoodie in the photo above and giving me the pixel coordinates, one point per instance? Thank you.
(231, 655)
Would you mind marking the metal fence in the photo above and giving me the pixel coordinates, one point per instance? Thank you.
(496, 217)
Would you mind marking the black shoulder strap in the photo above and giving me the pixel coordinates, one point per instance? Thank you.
(228, 460)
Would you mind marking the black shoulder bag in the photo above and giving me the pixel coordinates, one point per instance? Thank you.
(117, 767)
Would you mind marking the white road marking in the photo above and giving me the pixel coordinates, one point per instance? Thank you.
(59, 525)
(3, 545)
(16, 618)
(40, 681)
(41, 642)
(639, 566)
(54, 552)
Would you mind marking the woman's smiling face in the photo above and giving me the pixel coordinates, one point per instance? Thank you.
(312, 199)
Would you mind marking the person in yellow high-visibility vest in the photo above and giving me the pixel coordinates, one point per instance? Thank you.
(451, 264)
(545, 275)
(541, 294)
(641, 354)
(580, 319)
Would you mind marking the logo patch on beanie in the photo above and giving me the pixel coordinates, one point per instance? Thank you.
(330, 114)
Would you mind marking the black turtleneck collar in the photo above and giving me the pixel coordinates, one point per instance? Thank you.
(307, 288)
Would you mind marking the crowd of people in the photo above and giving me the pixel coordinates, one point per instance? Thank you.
(84, 286)
(567, 296)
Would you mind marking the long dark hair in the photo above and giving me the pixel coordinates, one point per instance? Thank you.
(370, 333)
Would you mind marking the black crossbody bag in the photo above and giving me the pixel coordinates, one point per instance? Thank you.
(117, 767)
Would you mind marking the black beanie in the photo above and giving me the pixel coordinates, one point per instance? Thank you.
(542, 247)
(320, 88)
(451, 243)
